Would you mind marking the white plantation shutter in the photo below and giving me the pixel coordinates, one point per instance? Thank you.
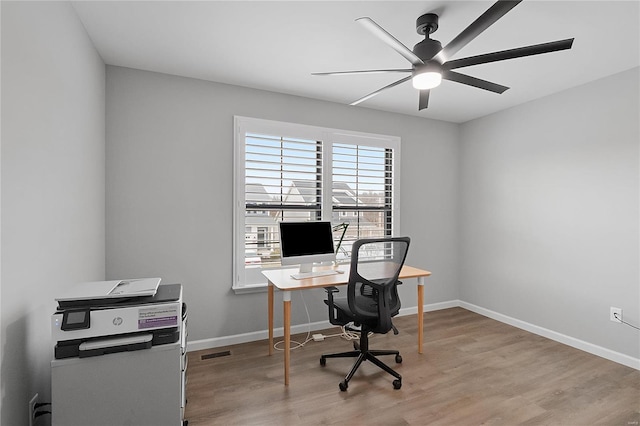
(293, 172)
(283, 181)
(363, 191)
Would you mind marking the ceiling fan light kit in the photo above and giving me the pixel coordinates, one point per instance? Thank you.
(427, 76)
(431, 63)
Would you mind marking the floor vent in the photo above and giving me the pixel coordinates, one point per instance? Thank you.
(215, 355)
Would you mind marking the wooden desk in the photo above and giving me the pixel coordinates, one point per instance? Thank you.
(281, 279)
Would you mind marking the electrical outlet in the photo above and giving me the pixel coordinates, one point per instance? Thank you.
(615, 312)
(32, 409)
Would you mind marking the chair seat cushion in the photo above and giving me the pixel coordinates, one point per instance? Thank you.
(367, 306)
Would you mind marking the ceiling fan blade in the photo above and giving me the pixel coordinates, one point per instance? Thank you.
(361, 72)
(423, 103)
(484, 21)
(372, 94)
(518, 52)
(390, 40)
(473, 81)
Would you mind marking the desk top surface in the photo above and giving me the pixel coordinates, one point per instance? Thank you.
(281, 278)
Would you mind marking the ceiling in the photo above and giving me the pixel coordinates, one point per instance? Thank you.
(276, 45)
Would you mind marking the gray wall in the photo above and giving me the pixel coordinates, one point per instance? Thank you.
(53, 183)
(549, 212)
(169, 190)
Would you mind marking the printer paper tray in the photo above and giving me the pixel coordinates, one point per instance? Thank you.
(72, 348)
(115, 344)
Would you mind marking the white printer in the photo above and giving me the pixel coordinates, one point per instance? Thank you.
(114, 316)
(120, 355)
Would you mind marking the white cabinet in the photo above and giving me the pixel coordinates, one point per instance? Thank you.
(143, 387)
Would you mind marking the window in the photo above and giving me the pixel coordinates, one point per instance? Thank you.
(286, 171)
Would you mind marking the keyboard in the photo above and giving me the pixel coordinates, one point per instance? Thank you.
(313, 274)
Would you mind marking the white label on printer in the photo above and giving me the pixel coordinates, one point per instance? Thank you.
(159, 316)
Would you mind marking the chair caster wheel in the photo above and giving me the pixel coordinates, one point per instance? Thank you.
(398, 359)
(343, 386)
(397, 384)
(323, 361)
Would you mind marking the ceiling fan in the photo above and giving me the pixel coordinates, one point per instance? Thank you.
(430, 62)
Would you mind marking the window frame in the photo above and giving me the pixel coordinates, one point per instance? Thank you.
(327, 136)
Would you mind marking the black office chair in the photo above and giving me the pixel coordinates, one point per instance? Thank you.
(372, 300)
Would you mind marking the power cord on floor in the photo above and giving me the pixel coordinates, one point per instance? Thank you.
(624, 322)
(345, 333)
(37, 412)
(40, 413)
(295, 344)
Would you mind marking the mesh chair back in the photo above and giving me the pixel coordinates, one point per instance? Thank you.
(375, 265)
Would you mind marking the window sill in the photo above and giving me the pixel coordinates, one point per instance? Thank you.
(255, 288)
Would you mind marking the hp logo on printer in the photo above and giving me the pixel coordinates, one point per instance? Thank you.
(117, 321)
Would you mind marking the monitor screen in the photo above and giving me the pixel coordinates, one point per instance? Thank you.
(306, 242)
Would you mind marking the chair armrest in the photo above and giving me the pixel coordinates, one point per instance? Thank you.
(329, 302)
(330, 291)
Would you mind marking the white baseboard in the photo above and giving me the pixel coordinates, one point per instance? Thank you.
(558, 337)
(216, 342)
(429, 308)
(623, 359)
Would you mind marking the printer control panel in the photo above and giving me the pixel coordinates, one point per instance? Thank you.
(75, 320)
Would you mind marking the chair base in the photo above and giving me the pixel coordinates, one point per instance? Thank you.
(366, 355)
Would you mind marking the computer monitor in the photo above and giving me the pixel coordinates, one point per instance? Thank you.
(306, 243)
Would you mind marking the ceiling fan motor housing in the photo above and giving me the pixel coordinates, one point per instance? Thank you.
(427, 49)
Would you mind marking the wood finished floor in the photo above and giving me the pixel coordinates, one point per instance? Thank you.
(473, 371)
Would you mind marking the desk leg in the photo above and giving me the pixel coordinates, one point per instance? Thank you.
(271, 291)
(287, 334)
(420, 313)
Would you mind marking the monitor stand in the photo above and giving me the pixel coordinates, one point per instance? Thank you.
(306, 271)
(305, 268)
